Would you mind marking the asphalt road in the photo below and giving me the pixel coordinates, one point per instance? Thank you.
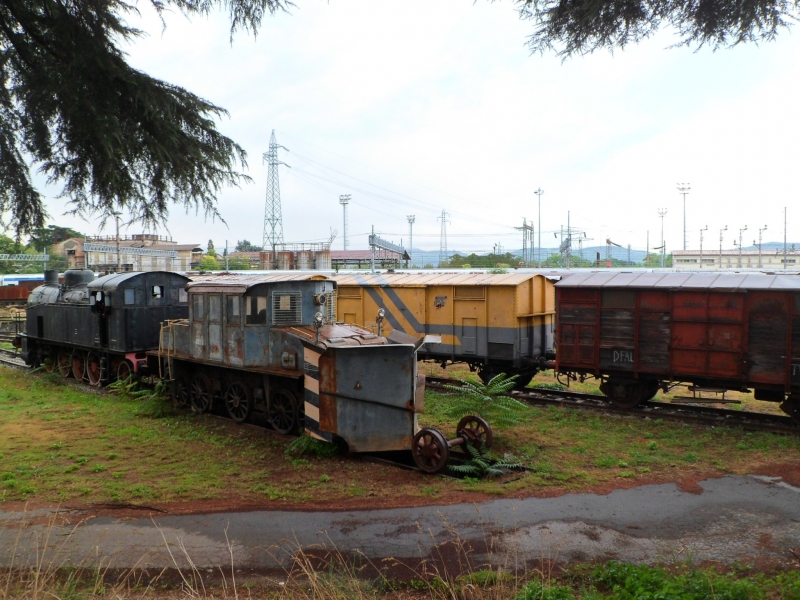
(735, 518)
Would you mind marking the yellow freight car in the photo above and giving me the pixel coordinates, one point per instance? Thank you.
(494, 323)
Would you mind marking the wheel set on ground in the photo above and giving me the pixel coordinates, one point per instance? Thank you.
(431, 450)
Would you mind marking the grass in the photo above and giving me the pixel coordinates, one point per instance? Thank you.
(60, 442)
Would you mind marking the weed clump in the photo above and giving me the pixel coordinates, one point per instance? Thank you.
(305, 444)
(487, 400)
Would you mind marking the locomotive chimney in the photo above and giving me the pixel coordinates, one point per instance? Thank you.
(51, 277)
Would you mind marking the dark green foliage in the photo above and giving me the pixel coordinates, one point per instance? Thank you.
(487, 400)
(305, 444)
(482, 464)
(114, 137)
(582, 26)
(549, 386)
(44, 237)
(538, 590)
(246, 246)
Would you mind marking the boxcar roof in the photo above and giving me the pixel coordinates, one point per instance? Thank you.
(704, 281)
(419, 279)
(111, 282)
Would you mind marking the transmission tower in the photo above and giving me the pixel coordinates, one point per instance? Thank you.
(443, 238)
(344, 200)
(411, 220)
(273, 222)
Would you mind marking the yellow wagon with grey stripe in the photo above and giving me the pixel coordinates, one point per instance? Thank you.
(268, 349)
(493, 322)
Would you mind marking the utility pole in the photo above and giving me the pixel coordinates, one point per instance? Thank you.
(662, 213)
(760, 231)
(721, 231)
(372, 246)
(647, 254)
(740, 245)
(704, 229)
(119, 258)
(443, 238)
(539, 193)
(784, 237)
(273, 221)
(344, 200)
(411, 220)
(683, 188)
(226, 256)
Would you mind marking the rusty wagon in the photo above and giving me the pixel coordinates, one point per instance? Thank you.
(716, 332)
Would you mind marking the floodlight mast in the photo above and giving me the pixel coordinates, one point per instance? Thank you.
(684, 188)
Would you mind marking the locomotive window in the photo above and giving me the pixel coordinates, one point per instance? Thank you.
(214, 307)
(198, 314)
(256, 310)
(183, 296)
(130, 296)
(158, 291)
(232, 310)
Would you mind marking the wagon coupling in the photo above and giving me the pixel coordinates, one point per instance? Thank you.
(431, 450)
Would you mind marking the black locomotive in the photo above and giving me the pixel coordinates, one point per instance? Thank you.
(100, 329)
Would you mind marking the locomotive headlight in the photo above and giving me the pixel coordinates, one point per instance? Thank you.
(381, 314)
(319, 320)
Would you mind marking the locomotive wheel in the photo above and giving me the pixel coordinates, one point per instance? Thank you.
(49, 362)
(64, 363)
(430, 450)
(201, 393)
(180, 391)
(652, 389)
(78, 365)
(475, 431)
(238, 402)
(124, 370)
(282, 412)
(93, 370)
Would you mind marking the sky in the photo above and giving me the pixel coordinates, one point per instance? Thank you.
(416, 107)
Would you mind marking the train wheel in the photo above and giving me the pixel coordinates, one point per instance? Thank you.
(624, 394)
(64, 363)
(49, 362)
(475, 431)
(94, 371)
(652, 389)
(523, 380)
(180, 391)
(238, 402)
(282, 412)
(78, 365)
(124, 370)
(791, 406)
(201, 393)
(430, 450)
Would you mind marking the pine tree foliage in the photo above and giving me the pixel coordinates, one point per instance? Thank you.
(488, 400)
(581, 26)
(113, 137)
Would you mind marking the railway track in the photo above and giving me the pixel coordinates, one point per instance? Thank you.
(686, 413)
(11, 358)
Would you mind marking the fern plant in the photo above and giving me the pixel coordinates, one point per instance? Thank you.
(488, 400)
(482, 464)
(305, 444)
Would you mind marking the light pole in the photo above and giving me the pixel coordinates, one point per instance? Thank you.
(539, 193)
(344, 200)
(704, 229)
(760, 231)
(119, 258)
(411, 220)
(721, 231)
(683, 188)
(662, 213)
(740, 245)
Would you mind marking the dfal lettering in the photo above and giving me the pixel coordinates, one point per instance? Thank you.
(623, 356)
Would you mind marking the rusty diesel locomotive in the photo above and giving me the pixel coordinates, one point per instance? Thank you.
(716, 332)
(270, 346)
(99, 330)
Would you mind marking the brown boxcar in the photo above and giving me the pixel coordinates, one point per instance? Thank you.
(639, 332)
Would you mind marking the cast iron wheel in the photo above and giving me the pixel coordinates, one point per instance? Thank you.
(475, 431)
(238, 402)
(282, 412)
(64, 363)
(78, 365)
(93, 370)
(521, 382)
(201, 393)
(791, 406)
(623, 394)
(430, 450)
(124, 370)
(180, 391)
(49, 362)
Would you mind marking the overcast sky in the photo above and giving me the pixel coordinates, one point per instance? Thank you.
(413, 107)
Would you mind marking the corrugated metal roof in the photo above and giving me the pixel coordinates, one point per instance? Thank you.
(704, 281)
(418, 279)
(248, 281)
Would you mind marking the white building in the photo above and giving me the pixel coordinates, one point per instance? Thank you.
(766, 260)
